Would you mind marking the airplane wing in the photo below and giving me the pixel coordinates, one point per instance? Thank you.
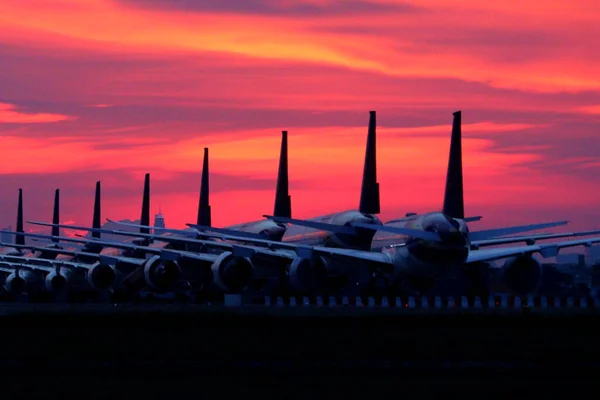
(237, 250)
(494, 233)
(476, 235)
(29, 262)
(529, 239)
(189, 233)
(373, 256)
(104, 259)
(546, 250)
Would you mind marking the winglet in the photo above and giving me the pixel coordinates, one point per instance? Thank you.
(454, 205)
(283, 200)
(55, 216)
(20, 239)
(145, 219)
(204, 214)
(369, 195)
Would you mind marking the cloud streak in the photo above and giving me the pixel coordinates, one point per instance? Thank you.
(10, 115)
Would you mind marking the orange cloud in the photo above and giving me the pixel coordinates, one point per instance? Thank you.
(589, 109)
(9, 114)
(111, 26)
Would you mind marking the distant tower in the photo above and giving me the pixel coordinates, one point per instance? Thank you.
(159, 221)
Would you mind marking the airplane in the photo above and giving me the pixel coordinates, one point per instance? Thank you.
(433, 245)
(233, 267)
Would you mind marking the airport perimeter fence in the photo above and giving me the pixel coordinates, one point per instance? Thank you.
(502, 302)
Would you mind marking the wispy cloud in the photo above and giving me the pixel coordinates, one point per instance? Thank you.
(10, 115)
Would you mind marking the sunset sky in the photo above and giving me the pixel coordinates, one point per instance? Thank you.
(111, 89)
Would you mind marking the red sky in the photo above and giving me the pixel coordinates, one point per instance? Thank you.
(110, 89)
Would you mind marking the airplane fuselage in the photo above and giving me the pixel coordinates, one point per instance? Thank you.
(314, 237)
(429, 259)
(271, 230)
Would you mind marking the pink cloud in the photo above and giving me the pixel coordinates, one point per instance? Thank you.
(9, 114)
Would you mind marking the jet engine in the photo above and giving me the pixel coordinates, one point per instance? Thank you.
(161, 275)
(101, 276)
(232, 274)
(307, 274)
(57, 281)
(522, 274)
(19, 281)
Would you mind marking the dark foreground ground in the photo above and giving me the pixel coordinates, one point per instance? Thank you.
(158, 352)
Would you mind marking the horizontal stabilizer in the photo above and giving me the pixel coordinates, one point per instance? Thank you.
(492, 233)
(401, 231)
(315, 225)
(473, 219)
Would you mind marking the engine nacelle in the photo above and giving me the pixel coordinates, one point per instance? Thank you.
(57, 281)
(307, 274)
(101, 277)
(161, 275)
(232, 274)
(19, 281)
(522, 274)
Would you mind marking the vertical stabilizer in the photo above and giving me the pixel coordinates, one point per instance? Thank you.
(96, 219)
(20, 239)
(369, 195)
(56, 216)
(145, 219)
(283, 200)
(454, 205)
(204, 215)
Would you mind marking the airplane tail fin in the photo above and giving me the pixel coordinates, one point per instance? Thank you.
(283, 200)
(55, 215)
(145, 218)
(369, 195)
(204, 214)
(96, 224)
(20, 239)
(454, 204)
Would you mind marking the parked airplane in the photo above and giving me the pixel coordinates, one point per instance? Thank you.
(435, 245)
